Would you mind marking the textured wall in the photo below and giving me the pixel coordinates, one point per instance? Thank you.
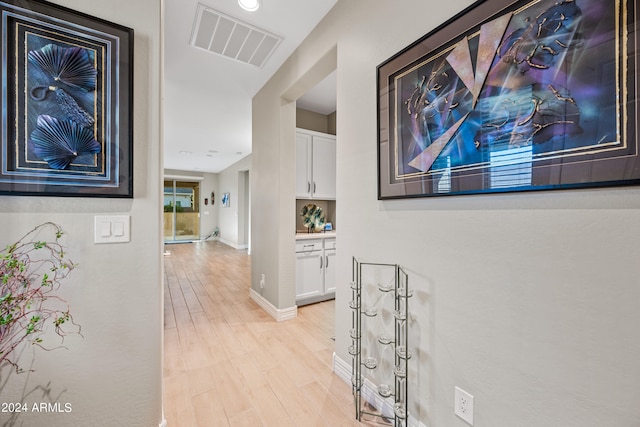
(112, 376)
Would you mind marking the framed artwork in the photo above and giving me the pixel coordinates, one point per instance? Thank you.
(67, 103)
(225, 200)
(512, 96)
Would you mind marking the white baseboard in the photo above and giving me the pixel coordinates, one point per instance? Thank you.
(163, 423)
(234, 245)
(280, 314)
(369, 391)
(342, 369)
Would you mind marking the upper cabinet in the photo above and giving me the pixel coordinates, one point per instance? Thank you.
(315, 165)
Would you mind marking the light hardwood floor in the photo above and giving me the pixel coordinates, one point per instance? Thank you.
(228, 363)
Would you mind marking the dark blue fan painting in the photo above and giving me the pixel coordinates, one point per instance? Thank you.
(61, 84)
(60, 142)
(67, 103)
(540, 82)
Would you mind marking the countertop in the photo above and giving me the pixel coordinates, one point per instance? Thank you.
(307, 236)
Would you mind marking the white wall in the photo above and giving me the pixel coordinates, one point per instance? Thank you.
(231, 218)
(112, 376)
(315, 121)
(527, 301)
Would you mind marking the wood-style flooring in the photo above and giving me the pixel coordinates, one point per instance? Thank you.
(228, 363)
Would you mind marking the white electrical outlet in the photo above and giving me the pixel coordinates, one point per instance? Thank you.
(463, 405)
(262, 281)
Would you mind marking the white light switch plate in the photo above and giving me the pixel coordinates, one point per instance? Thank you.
(112, 229)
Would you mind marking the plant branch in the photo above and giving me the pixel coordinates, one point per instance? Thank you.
(31, 273)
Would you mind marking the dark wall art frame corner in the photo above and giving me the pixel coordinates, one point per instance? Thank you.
(512, 95)
(67, 103)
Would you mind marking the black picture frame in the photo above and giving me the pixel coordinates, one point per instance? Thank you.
(67, 98)
(512, 96)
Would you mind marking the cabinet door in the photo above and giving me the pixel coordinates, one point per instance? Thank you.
(329, 270)
(303, 165)
(323, 167)
(309, 269)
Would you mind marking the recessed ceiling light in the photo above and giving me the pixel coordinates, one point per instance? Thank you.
(186, 153)
(249, 5)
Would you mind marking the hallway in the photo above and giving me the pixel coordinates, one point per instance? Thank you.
(228, 363)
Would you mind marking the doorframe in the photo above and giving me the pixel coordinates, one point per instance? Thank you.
(326, 65)
(184, 178)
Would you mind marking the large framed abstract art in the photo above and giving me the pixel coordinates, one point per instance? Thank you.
(513, 96)
(67, 102)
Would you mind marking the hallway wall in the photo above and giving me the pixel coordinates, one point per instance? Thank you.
(112, 375)
(231, 217)
(527, 301)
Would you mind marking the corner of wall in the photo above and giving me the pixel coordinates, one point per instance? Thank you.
(279, 314)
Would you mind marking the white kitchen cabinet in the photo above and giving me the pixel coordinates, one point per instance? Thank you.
(315, 165)
(315, 270)
(303, 165)
(309, 277)
(330, 271)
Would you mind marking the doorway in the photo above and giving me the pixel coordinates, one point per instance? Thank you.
(181, 211)
(319, 83)
(244, 211)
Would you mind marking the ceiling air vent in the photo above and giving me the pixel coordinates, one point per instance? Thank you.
(219, 33)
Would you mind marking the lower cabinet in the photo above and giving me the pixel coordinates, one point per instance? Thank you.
(330, 271)
(315, 270)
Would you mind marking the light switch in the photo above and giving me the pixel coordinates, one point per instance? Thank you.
(112, 229)
(118, 229)
(105, 229)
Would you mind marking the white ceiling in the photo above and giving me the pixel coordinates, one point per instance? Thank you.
(321, 98)
(207, 117)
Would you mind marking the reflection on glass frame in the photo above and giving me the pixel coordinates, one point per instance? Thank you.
(512, 96)
(66, 103)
